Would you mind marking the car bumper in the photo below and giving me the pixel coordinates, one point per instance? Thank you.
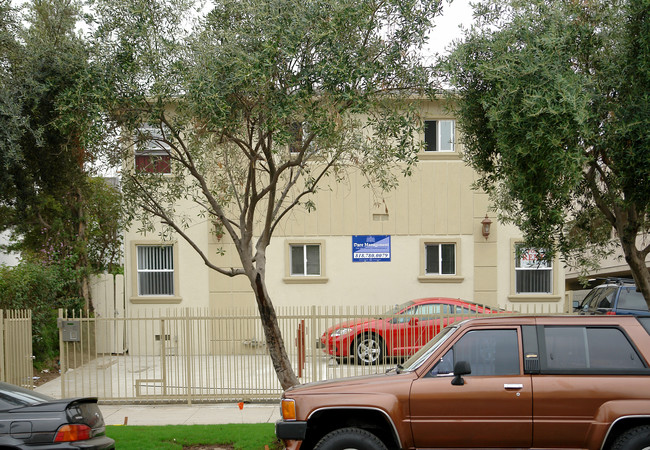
(330, 347)
(291, 430)
(96, 443)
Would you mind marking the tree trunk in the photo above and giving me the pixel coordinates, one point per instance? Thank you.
(82, 263)
(636, 260)
(274, 341)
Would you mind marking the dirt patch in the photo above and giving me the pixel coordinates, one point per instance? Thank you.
(45, 375)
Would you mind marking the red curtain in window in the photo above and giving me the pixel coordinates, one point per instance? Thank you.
(153, 163)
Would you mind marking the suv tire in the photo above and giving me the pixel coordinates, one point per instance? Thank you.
(635, 439)
(350, 438)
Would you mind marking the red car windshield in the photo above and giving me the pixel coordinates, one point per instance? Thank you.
(397, 308)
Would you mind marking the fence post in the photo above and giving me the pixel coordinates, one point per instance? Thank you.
(63, 357)
(313, 343)
(163, 355)
(2, 346)
(300, 342)
(188, 357)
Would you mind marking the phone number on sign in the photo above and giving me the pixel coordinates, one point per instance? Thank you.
(371, 255)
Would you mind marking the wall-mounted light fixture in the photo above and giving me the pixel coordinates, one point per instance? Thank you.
(485, 226)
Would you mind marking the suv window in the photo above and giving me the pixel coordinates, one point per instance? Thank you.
(598, 349)
(489, 352)
(630, 298)
(645, 322)
(603, 298)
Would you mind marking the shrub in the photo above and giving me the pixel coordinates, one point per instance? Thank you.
(42, 288)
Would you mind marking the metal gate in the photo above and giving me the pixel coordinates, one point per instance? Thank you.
(199, 355)
(16, 361)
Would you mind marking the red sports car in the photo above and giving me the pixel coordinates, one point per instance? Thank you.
(399, 332)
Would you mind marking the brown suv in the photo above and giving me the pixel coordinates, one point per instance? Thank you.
(565, 382)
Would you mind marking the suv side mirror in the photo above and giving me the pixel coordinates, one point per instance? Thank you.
(460, 368)
(576, 304)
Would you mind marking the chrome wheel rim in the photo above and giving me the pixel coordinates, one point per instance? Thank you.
(368, 350)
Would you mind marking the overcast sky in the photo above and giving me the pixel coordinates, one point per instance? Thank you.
(447, 26)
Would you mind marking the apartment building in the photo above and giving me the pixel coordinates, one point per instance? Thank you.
(432, 236)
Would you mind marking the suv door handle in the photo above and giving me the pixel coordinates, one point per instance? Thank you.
(513, 386)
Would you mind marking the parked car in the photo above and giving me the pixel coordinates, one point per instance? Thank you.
(615, 296)
(399, 332)
(29, 420)
(551, 382)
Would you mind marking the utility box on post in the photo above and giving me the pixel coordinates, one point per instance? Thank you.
(70, 330)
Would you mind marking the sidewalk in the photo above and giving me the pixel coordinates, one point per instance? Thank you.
(178, 414)
(189, 414)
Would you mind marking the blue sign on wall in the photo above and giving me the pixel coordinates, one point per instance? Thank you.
(370, 248)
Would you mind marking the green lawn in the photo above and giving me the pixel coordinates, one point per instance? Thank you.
(240, 436)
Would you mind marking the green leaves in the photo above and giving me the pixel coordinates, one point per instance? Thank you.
(553, 103)
(249, 79)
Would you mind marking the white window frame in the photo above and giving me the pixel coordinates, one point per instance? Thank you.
(304, 278)
(150, 147)
(529, 261)
(440, 262)
(305, 260)
(439, 136)
(165, 263)
(427, 277)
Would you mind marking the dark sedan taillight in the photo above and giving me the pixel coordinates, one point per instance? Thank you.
(72, 432)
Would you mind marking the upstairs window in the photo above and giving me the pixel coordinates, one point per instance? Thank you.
(439, 135)
(151, 154)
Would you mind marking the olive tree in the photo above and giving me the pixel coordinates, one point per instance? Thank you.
(554, 106)
(255, 104)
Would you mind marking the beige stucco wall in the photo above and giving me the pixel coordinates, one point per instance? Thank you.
(435, 204)
(191, 275)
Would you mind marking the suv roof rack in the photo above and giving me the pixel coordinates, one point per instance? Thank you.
(619, 280)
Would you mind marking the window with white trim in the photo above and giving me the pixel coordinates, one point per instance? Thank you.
(151, 154)
(155, 267)
(439, 135)
(305, 260)
(440, 259)
(533, 272)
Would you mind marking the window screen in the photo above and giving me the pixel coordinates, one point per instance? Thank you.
(440, 259)
(533, 273)
(439, 135)
(305, 259)
(155, 270)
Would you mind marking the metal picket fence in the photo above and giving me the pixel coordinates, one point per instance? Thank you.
(198, 355)
(16, 361)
